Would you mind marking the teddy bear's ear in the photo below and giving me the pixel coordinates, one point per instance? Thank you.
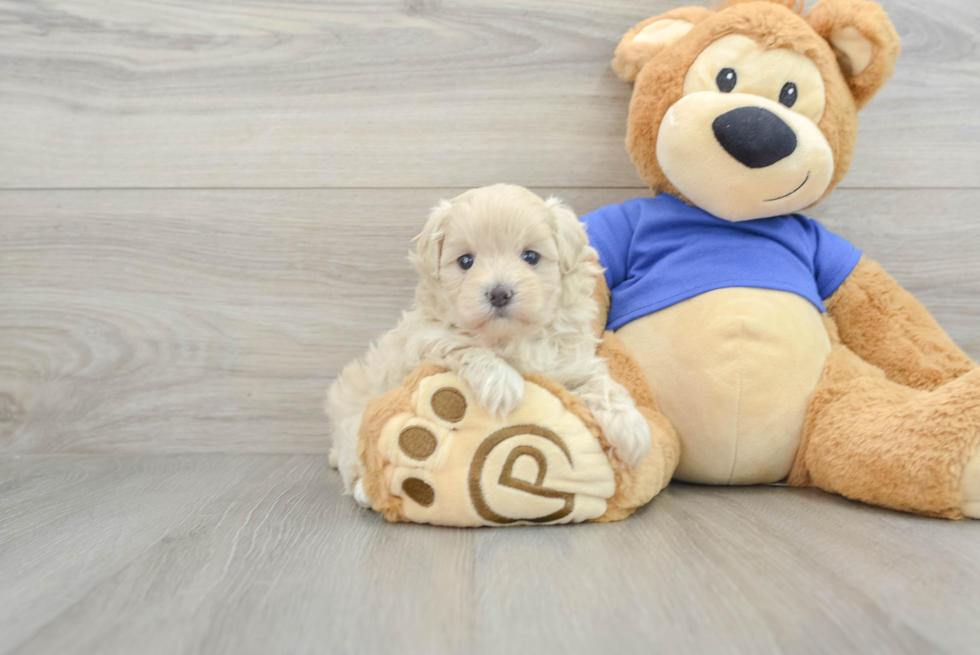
(651, 37)
(864, 40)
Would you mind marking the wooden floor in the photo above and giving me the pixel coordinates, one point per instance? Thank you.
(261, 554)
(204, 212)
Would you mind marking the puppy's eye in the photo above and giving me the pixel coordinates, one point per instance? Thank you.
(789, 94)
(726, 80)
(466, 262)
(531, 257)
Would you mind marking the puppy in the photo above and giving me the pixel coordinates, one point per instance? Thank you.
(505, 287)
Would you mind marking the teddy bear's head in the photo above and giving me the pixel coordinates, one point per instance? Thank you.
(750, 111)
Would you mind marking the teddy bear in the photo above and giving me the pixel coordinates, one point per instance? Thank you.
(761, 347)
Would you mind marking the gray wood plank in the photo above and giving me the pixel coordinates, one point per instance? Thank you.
(247, 93)
(870, 550)
(277, 562)
(271, 558)
(69, 522)
(696, 572)
(163, 321)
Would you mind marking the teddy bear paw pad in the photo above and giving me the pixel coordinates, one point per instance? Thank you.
(453, 463)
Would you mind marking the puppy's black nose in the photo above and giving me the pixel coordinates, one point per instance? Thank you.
(500, 295)
(755, 136)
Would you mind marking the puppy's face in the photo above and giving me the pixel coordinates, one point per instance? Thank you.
(499, 269)
(499, 253)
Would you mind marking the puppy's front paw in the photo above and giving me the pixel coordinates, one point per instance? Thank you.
(359, 496)
(627, 431)
(498, 387)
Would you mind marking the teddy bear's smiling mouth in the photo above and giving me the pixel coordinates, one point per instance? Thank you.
(791, 192)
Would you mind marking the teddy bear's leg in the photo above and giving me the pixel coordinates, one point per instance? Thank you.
(872, 439)
(638, 485)
(886, 326)
(971, 488)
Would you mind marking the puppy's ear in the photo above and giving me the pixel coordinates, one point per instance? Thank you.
(864, 40)
(428, 244)
(569, 234)
(651, 37)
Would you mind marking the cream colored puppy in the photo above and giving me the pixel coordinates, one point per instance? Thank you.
(505, 288)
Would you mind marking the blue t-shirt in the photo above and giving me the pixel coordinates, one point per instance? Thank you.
(660, 251)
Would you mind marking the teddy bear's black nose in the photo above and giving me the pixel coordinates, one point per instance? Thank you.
(754, 136)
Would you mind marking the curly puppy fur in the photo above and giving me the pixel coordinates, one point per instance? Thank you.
(545, 327)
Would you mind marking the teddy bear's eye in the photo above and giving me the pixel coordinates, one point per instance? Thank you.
(466, 262)
(726, 80)
(789, 94)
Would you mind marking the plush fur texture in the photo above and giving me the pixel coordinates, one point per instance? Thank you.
(896, 417)
(733, 370)
(795, 6)
(631, 56)
(870, 21)
(881, 442)
(691, 151)
(887, 327)
(545, 329)
(634, 485)
(659, 70)
(665, 446)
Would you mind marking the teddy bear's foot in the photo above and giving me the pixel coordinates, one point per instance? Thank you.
(446, 460)
(880, 442)
(971, 488)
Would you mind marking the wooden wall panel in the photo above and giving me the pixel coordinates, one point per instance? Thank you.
(262, 93)
(213, 320)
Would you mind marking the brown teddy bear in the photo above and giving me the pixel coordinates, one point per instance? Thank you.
(775, 350)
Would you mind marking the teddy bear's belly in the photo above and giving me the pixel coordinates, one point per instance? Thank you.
(733, 370)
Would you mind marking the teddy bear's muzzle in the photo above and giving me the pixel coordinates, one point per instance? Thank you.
(741, 157)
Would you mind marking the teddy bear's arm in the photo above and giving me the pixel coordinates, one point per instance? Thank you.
(886, 326)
